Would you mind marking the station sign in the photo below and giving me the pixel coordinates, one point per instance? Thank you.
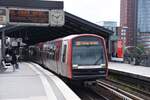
(32, 17)
(14, 44)
(28, 16)
(2, 16)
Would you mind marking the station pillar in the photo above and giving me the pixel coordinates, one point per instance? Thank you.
(2, 53)
(3, 44)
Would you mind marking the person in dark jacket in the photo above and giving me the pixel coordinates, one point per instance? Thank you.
(14, 60)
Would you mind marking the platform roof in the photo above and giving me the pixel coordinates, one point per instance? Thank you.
(39, 4)
(73, 25)
(32, 35)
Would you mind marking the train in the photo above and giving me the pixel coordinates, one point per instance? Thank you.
(75, 57)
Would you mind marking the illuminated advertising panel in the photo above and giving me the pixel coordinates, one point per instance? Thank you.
(120, 49)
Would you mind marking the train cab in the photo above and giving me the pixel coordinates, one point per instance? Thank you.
(75, 57)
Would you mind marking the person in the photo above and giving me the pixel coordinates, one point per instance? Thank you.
(14, 60)
(8, 51)
(7, 60)
(8, 56)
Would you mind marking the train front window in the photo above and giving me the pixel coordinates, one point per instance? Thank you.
(88, 51)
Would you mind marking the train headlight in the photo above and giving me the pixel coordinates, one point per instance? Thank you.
(103, 65)
(75, 66)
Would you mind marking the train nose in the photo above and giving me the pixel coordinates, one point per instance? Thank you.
(87, 74)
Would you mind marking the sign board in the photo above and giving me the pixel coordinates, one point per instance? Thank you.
(31, 17)
(14, 44)
(28, 16)
(57, 18)
(120, 49)
(19, 40)
(2, 16)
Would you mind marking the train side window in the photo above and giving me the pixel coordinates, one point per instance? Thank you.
(64, 53)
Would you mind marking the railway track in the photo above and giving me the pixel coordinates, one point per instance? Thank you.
(102, 90)
(141, 82)
(113, 92)
(131, 89)
(135, 84)
(85, 93)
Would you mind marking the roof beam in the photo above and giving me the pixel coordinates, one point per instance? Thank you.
(38, 4)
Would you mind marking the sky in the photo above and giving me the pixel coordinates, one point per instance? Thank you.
(94, 10)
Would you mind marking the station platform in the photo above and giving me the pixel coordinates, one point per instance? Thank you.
(140, 72)
(31, 82)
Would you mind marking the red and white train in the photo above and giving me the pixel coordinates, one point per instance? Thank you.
(76, 57)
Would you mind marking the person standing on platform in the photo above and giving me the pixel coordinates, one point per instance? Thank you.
(14, 60)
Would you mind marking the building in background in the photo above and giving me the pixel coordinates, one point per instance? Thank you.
(128, 19)
(111, 25)
(143, 23)
(135, 17)
(115, 43)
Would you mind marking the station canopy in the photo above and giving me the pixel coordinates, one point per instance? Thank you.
(36, 34)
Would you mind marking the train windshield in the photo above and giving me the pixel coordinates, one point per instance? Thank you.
(88, 51)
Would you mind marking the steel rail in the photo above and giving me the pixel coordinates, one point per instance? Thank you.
(121, 94)
(134, 89)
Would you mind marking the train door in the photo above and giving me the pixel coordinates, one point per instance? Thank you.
(63, 67)
(58, 55)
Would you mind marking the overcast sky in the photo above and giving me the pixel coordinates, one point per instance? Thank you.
(94, 10)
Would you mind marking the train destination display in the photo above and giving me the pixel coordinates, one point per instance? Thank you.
(86, 43)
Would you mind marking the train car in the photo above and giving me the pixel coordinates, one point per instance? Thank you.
(76, 57)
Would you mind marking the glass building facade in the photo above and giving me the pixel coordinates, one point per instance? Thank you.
(143, 24)
(135, 14)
